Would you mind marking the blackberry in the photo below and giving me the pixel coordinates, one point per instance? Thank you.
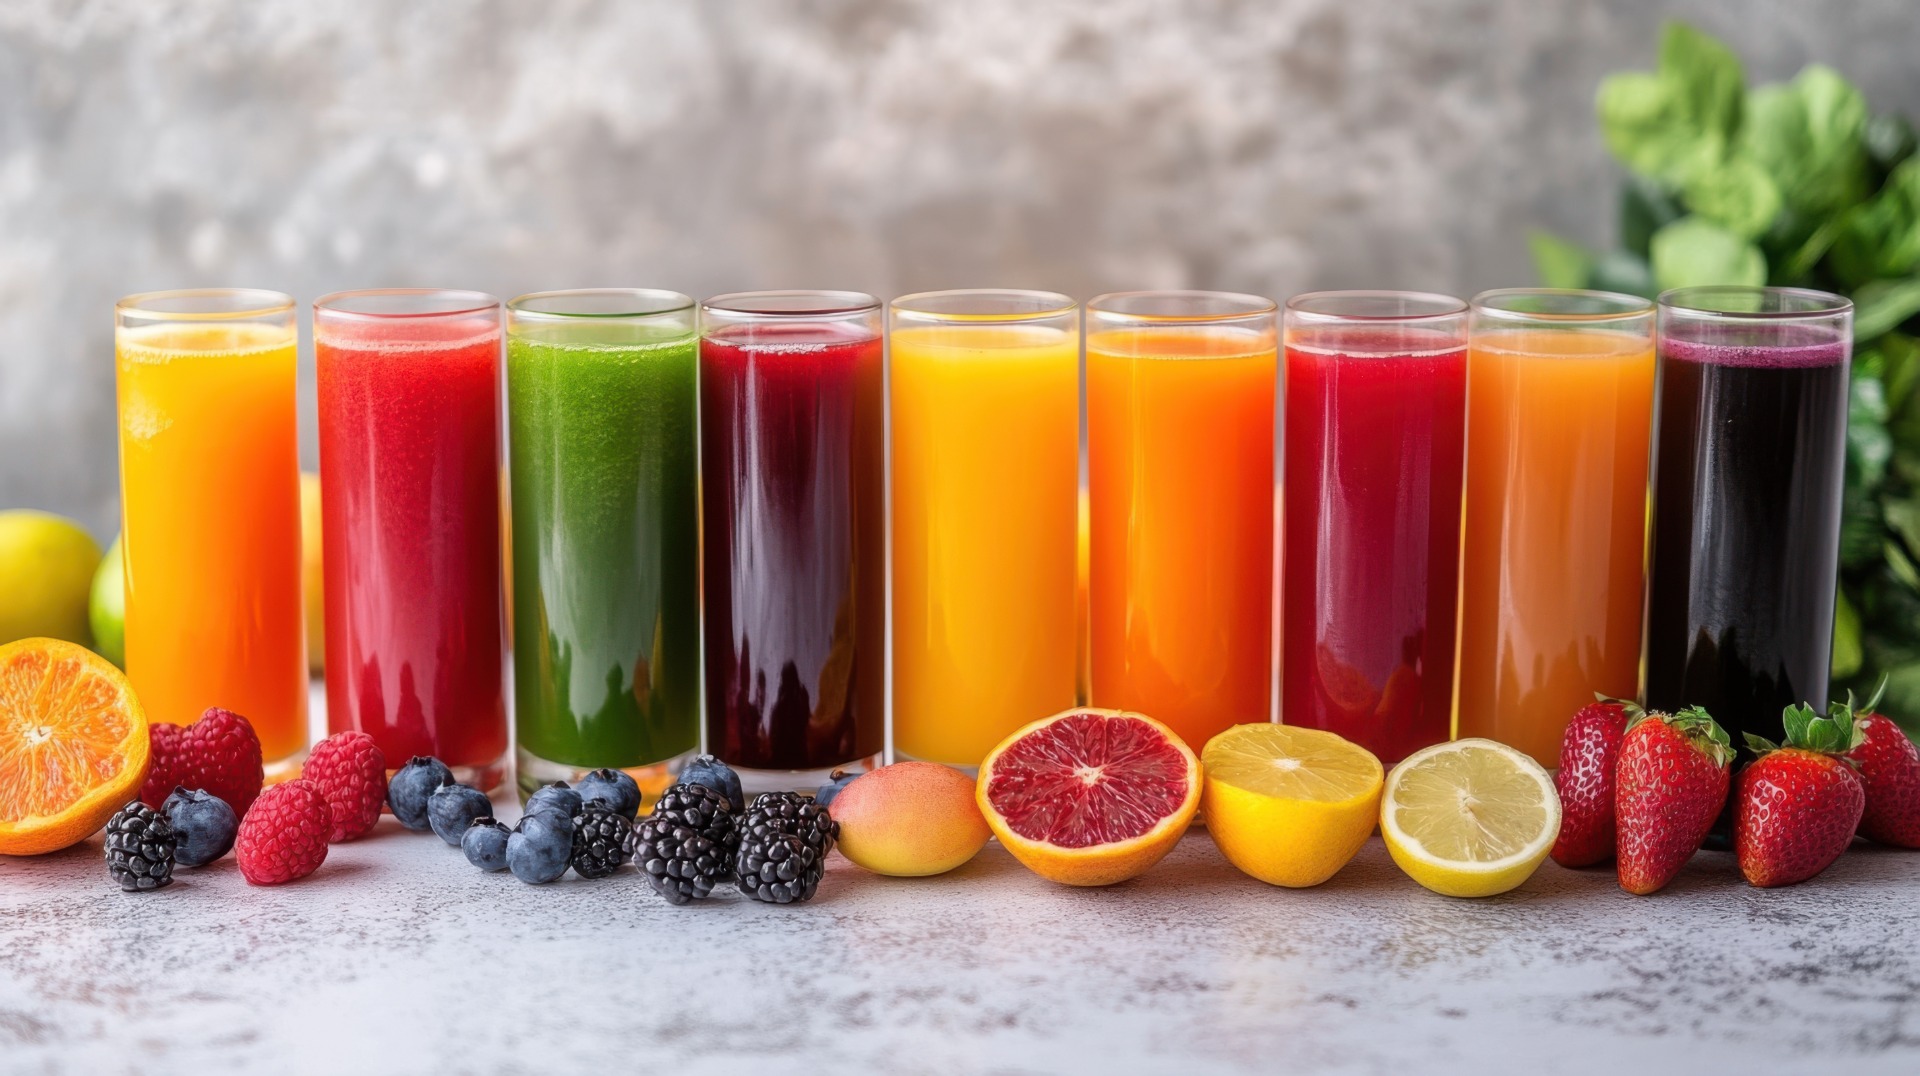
(776, 867)
(601, 838)
(140, 846)
(790, 812)
(702, 810)
(678, 862)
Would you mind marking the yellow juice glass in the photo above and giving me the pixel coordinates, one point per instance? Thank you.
(1180, 413)
(986, 457)
(1559, 403)
(210, 509)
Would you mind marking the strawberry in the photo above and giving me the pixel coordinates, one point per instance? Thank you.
(1670, 783)
(284, 837)
(348, 769)
(1798, 803)
(218, 754)
(1889, 767)
(1588, 751)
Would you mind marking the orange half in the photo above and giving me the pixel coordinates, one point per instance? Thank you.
(1090, 796)
(73, 745)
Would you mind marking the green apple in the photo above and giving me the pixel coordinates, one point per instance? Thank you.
(46, 565)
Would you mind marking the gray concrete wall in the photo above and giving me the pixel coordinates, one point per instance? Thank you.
(886, 145)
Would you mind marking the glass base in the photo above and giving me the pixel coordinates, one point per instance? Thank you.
(754, 782)
(488, 777)
(532, 771)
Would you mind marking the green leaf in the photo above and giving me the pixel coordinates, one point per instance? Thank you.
(1899, 369)
(1680, 119)
(1739, 195)
(1869, 445)
(1694, 251)
(1900, 566)
(1712, 85)
(1645, 208)
(1809, 135)
(1889, 140)
(1617, 270)
(1561, 263)
(1881, 236)
(1847, 655)
(1880, 306)
(1902, 700)
(1903, 519)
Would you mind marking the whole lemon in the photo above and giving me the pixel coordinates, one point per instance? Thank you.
(46, 569)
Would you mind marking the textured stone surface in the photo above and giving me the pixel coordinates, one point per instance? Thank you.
(891, 145)
(397, 956)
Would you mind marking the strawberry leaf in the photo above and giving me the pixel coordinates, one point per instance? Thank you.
(1706, 735)
(1834, 734)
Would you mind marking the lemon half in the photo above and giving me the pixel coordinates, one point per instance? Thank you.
(1470, 818)
(1289, 805)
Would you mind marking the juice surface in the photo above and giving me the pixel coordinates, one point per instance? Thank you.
(986, 459)
(1374, 425)
(210, 499)
(602, 429)
(1555, 530)
(792, 455)
(1180, 441)
(1749, 460)
(410, 517)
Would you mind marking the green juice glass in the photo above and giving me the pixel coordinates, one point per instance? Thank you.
(602, 405)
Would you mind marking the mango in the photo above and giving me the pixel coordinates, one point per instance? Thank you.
(910, 820)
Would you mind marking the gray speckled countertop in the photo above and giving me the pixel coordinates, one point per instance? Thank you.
(398, 956)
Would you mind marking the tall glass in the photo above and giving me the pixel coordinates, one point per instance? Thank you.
(985, 393)
(602, 419)
(792, 457)
(411, 524)
(1180, 405)
(1560, 401)
(210, 509)
(1375, 420)
(1750, 423)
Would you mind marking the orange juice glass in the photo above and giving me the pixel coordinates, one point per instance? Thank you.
(1180, 412)
(210, 509)
(985, 396)
(1559, 402)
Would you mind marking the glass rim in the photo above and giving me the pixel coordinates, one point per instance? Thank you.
(646, 304)
(799, 303)
(1128, 306)
(1692, 301)
(243, 304)
(1319, 307)
(461, 303)
(1626, 307)
(1042, 305)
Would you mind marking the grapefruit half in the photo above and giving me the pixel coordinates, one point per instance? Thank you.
(1090, 796)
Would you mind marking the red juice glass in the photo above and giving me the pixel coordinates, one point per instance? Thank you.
(1375, 426)
(792, 464)
(410, 523)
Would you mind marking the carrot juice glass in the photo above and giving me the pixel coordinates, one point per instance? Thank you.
(1559, 403)
(985, 394)
(1180, 404)
(210, 509)
(1376, 387)
(792, 465)
(410, 523)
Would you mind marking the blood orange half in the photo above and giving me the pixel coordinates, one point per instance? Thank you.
(1090, 797)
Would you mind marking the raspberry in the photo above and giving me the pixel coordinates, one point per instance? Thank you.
(218, 754)
(284, 837)
(350, 771)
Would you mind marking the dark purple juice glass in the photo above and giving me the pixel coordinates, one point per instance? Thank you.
(1749, 449)
(792, 467)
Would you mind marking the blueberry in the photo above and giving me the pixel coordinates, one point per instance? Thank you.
(485, 843)
(540, 847)
(412, 785)
(835, 784)
(717, 775)
(203, 826)
(452, 808)
(556, 795)
(613, 790)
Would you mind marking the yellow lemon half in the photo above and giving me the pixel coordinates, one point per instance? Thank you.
(1470, 818)
(1289, 806)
